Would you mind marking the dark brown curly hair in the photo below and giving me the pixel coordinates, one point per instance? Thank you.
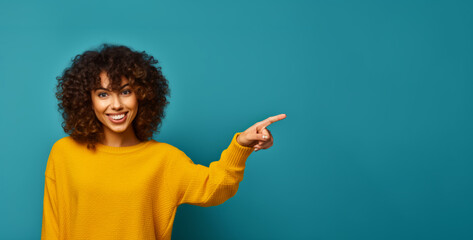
(77, 81)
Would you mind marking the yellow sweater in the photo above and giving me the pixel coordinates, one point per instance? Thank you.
(130, 192)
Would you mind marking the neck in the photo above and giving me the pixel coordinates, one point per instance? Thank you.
(122, 139)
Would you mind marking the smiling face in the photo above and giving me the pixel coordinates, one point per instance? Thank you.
(115, 109)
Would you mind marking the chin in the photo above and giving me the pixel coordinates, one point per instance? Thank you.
(118, 129)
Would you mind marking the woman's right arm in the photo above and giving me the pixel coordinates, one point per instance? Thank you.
(50, 227)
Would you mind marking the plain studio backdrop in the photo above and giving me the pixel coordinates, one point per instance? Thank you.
(378, 139)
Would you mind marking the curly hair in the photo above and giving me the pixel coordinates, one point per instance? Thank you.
(77, 81)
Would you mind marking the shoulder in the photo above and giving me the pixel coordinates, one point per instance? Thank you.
(64, 140)
(174, 158)
(66, 143)
(165, 147)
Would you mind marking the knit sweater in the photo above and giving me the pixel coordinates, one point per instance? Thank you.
(130, 192)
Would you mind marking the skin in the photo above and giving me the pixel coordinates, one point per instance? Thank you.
(106, 102)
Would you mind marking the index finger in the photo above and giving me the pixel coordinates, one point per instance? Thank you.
(271, 120)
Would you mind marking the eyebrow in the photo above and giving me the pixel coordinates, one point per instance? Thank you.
(106, 89)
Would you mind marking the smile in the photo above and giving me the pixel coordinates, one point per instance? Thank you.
(117, 118)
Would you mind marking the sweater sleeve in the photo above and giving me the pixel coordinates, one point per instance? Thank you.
(208, 186)
(49, 229)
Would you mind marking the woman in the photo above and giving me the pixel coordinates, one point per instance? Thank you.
(109, 179)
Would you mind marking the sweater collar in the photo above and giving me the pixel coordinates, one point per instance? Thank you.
(120, 150)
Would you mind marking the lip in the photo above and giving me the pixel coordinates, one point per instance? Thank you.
(117, 121)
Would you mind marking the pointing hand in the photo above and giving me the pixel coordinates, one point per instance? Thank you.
(258, 136)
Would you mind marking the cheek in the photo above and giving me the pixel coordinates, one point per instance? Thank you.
(133, 106)
(132, 103)
(96, 112)
(98, 107)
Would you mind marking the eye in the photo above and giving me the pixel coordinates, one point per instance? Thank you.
(102, 94)
(126, 92)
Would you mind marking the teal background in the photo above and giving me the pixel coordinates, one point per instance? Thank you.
(377, 143)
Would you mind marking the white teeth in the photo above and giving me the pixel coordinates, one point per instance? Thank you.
(117, 117)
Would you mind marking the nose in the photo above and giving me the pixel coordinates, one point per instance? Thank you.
(116, 103)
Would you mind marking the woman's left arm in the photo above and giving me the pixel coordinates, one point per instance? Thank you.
(209, 186)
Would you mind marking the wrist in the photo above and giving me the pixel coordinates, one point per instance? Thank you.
(238, 136)
(238, 140)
